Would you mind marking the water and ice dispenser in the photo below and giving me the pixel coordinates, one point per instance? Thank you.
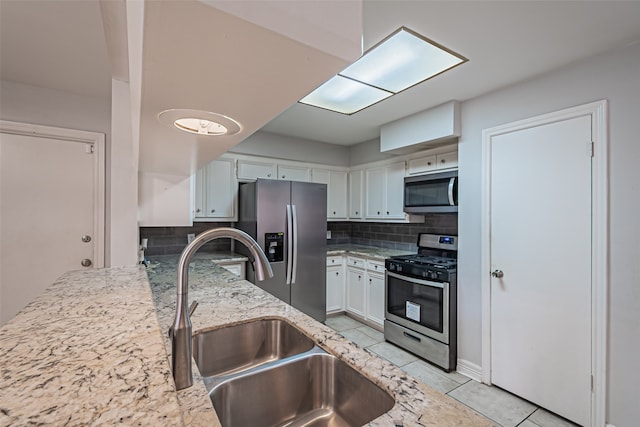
(274, 246)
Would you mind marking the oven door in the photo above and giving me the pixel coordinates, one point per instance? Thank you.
(420, 305)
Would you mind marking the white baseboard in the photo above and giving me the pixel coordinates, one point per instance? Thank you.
(610, 425)
(470, 370)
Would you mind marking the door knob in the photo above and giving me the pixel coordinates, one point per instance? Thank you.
(498, 274)
(86, 262)
(86, 238)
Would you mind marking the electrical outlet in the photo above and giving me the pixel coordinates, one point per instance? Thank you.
(328, 234)
(190, 237)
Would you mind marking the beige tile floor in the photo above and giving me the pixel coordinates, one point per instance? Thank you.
(503, 408)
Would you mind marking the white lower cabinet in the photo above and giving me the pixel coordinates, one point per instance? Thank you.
(375, 297)
(365, 289)
(335, 284)
(355, 291)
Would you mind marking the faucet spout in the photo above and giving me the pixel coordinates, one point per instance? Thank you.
(181, 350)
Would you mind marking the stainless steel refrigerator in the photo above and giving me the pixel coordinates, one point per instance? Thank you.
(289, 221)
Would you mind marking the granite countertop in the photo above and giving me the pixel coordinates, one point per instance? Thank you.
(88, 351)
(365, 251)
(93, 350)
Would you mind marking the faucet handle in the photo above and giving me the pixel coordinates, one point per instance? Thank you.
(193, 307)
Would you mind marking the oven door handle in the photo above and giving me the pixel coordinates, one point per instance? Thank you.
(417, 281)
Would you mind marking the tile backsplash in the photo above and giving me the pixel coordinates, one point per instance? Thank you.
(172, 240)
(392, 236)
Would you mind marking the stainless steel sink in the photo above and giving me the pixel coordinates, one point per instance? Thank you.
(244, 346)
(310, 390)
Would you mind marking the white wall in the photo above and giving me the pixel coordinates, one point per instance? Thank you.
(123, 179)
(285, 147)
(367, 152)
(614, 76)
(29, 104)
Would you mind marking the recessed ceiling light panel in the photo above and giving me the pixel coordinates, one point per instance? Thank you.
(344, 95)
(199, 122)
(400, 61)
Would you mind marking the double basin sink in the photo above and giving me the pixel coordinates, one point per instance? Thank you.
(266, 372)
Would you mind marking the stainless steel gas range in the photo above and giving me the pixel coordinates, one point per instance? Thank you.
(421, 300)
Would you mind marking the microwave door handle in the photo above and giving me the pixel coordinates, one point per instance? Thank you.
(452, 182)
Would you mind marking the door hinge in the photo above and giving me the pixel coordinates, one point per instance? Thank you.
(592, 381)
(590, 149)
(89, 148)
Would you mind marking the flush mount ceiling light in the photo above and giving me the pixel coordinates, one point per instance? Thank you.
(199, 122)
(400, 61)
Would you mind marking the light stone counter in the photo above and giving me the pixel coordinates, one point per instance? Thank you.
(365, 251)
(89, 351)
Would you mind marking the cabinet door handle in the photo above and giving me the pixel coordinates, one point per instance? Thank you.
(213, 210)
(282, 176)
(337, 273)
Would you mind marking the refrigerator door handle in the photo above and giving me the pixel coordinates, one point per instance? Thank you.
(289, 244)
(295, 245)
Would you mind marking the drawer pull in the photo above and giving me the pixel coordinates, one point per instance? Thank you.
(413, 337)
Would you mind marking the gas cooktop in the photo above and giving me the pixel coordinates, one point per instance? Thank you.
(427, 260)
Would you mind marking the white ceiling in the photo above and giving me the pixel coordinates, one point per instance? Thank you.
(60, 45)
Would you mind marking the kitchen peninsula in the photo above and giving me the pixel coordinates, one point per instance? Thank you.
(92, 350)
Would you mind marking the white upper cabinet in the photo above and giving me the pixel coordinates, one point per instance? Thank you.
(200, 191)
(216, 189)
(376, 192)
(336, 191)
(294, 173)
(395, 191)
(384, 192)
(251, 170)
(355, 194)
(433, 163)
(337, 199)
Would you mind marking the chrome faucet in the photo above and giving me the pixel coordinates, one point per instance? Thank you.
(180, 332)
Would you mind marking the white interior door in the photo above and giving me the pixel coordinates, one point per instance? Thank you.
(50, 199)
(540, 225)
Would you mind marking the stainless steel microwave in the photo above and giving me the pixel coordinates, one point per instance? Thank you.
(437, 192)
